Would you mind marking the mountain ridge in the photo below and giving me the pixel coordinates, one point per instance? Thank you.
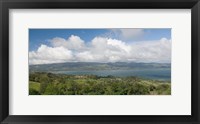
(75, 66)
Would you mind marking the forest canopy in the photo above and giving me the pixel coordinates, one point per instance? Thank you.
(42, 83)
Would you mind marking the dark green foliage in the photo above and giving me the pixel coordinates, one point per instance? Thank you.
(44, 80)
(60, 84)
(33, 92)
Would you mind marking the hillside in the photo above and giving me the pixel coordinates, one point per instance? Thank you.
(41, 83)
(75, 66)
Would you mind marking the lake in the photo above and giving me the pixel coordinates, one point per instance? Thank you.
(163, 74)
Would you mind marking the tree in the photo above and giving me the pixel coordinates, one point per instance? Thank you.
(44, 80)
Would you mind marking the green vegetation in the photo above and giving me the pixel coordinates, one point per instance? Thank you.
(41, 83)
(34, 88)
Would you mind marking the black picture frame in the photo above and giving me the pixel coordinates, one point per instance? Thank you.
(5, 5)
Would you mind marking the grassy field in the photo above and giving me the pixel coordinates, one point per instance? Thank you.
(60, 84)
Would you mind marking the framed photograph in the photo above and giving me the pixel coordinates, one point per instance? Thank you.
(101, 61)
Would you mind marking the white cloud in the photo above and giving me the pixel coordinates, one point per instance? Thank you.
(109, 50)
(46, 54)
(152, 51)
(72, 43)
(101, 49)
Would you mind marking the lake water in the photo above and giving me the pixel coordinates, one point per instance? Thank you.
(155, 74)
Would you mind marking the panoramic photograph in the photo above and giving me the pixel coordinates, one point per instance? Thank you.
(118, 61)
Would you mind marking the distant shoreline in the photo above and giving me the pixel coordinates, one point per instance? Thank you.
(98, 76)
(155, 71)
(114, 73)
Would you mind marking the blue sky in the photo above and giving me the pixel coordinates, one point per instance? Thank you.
(99, 45)
(41, 36)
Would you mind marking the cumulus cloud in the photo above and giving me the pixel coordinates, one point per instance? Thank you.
(46, 54)
(72, 43)
(101, 49)
(152, 51)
